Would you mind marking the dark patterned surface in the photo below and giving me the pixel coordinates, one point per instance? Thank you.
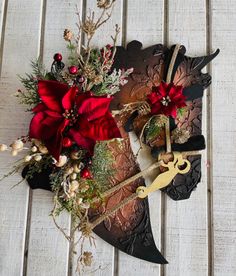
(129, 228)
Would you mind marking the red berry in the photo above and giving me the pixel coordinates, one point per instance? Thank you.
(57, 57)
(108, 46)
(73, 70)
(85, 173)
(80, 79)
(66, 142)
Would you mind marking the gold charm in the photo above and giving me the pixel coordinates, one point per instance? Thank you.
(165, 178)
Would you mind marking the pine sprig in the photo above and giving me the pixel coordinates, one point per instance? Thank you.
(30, 96)
(39, 70)
(38, 167)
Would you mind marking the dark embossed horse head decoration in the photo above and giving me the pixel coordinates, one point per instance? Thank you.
(129, 228)
(158, 112)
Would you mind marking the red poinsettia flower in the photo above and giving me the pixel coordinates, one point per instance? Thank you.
(166, 99)
(81, 116)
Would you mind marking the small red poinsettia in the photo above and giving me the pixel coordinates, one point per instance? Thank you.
(67, 112)
(166, 99)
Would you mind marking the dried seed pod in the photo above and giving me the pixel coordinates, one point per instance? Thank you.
(74, 186)
(79, 201)
(103, 4)
(76, 168)
(180, 136)
(37, 157)
(69, 171)
(37, 142)
(34, 149)
(75, 155)
(27, 158)
(68, 35)
(14, 152)
(73, 176)
(97, 79)
(17, 145)
(87, 258)
(43, 149)
(3, 147)
(89, 27)
(62, 161)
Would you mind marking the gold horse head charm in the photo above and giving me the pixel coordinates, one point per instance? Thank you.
(163, 179)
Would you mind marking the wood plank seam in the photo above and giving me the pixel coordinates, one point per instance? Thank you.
(209, 146)
(124, 23)
(123, 34)
(83, 16)
(165, 38)
(27, 231)
(42, 31)
(3, 23)
(30, 196)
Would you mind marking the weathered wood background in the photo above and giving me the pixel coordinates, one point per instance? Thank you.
(198, 236)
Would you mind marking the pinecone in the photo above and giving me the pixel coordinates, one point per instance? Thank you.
(180, 136)
(68, 35)
(97, 79)
(89, 27)
(103, 4)
(89, 72)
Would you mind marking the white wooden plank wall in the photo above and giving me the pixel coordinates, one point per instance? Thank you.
(29, 242)
(186, 222)
(20, 46)
(223, 134)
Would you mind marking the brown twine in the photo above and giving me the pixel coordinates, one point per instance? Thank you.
(138, 175)
(172, 62)
(127, 181)
(167, 132)
(113, 210)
